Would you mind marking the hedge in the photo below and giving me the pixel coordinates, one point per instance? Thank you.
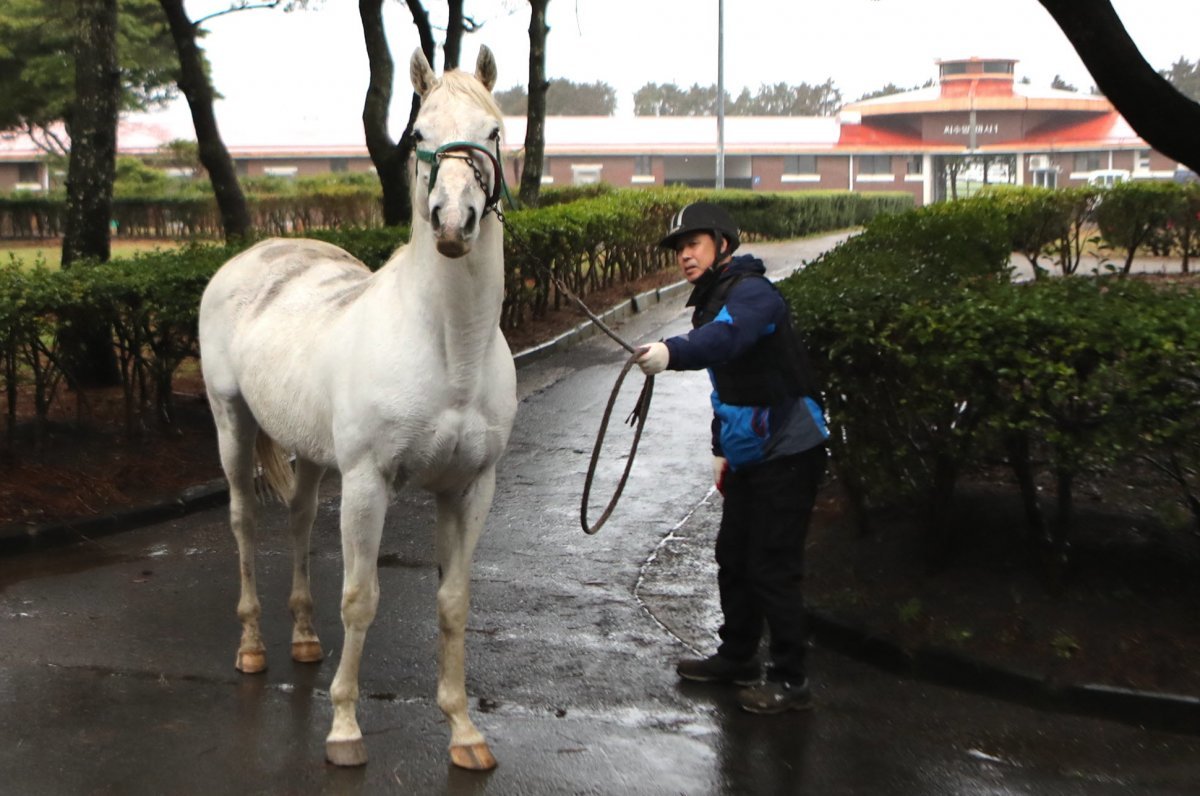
(150, 301)
(937, 366)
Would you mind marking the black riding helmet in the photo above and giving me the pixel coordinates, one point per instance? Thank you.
(703, 217)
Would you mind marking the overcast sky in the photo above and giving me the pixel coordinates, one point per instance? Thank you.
(310, 64)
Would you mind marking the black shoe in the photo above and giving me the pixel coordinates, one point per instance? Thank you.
(776, 696)
(716, 669)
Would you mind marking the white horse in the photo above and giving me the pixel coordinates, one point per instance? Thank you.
(398, 377)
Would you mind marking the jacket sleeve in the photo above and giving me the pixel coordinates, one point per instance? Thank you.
(750, 311)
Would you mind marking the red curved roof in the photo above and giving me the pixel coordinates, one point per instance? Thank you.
(1107, 128)
(870, 135)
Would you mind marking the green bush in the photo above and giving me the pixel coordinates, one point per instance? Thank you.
(936, 365)
(865, 309)
(1046, 223)
(1133, 213)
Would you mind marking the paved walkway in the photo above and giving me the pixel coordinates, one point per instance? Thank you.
(116, 671)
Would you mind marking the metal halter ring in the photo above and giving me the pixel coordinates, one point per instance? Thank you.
(434, 159)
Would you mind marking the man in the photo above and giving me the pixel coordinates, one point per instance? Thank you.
(768, 445)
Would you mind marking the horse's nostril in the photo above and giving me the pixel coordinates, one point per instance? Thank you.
(435, 217)
(469, 227)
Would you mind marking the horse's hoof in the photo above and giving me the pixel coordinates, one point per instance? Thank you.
(476, 757)
(346, 753)
(307, 652)
(251, 662)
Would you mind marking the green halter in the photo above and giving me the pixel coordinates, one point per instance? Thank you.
(466, 150)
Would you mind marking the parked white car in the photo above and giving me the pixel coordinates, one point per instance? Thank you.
(1107, 178)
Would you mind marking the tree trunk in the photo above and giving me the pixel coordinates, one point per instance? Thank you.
(1166, 119)
(389, 157)
(940, 538)
(1058, 555)
(1017, 444)
(535, 128)
(92, 125)
(86, 340)
(195, 85)
(452, 51)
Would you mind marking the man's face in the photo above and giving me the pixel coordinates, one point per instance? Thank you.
(695, 252)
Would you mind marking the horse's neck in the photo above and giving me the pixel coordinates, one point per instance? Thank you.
(461, 297)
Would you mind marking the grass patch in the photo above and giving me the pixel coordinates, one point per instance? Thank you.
(29, 253)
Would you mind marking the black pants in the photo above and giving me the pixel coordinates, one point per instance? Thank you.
(760, 559)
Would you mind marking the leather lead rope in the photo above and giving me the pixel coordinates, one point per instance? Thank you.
(636, 418)
(640, 410)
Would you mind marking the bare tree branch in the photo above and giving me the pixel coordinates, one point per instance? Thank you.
(1166, 119)
(244, 5)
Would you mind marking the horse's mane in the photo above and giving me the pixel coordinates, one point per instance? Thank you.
(465, 84)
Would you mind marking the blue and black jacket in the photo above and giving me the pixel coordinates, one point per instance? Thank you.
(765, 400)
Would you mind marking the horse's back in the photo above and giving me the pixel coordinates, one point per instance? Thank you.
(293, 269)
(271, 303)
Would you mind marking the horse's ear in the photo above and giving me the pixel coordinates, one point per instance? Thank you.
(421, 73)
(485, 68)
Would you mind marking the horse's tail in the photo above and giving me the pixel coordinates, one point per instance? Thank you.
(277, 477)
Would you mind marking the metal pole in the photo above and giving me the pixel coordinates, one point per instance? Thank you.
(720, 94)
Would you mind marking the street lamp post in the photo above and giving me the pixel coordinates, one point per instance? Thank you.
(720, 94)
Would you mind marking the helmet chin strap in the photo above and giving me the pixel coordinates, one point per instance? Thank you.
(720, 248)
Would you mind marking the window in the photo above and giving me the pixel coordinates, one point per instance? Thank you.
(585, 173)
(799, 164)
(286, 172)
(643, 170)
(1045, 179)
(29, 172)
(875, 164)
(339, 165)
(1142, 160)
(915, 164)
(1087, 161)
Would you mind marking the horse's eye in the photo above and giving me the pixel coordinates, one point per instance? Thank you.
(417, 137)
(495, 135)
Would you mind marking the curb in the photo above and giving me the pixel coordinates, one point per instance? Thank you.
(18, 538)
(1176, 713)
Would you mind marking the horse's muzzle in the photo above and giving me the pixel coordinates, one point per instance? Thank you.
(453, 248)
(454, 239)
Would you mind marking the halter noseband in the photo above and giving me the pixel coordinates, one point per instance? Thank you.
(464, 150)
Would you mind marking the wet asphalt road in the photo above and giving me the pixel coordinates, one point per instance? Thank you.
(116, 661)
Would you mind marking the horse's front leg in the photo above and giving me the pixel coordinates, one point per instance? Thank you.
(306, 646)
(364, 503)
(460, 519)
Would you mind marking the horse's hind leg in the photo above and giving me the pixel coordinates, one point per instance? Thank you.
(460, 519)
(306, 647)
(236, 430)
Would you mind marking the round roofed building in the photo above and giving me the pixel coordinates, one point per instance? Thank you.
(978, 122)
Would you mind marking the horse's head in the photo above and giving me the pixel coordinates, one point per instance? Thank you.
(456, 177)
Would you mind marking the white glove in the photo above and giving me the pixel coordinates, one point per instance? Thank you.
(653, 358)
(720, 467)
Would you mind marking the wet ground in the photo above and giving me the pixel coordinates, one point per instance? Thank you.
(116, 667)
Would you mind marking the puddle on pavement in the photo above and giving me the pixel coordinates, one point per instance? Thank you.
(69, 561)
